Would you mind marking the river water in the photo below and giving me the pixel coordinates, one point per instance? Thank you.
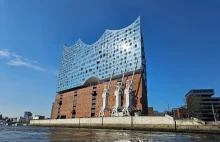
(41, 134)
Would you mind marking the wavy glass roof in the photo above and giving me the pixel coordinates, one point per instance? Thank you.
(81, 63)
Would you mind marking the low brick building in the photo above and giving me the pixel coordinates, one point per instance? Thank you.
(87, 102)
(150, 111)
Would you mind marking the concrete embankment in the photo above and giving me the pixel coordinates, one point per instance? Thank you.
(149, 123)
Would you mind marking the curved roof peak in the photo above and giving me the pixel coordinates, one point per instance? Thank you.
(79, 41)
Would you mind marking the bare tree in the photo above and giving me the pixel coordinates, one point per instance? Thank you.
(193, 103)
(215, 113)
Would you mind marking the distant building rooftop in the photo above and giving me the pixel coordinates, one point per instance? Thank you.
(206, 92)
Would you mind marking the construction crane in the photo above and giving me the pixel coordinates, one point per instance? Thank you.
(128, 94)
(105, 95)
(118, 94)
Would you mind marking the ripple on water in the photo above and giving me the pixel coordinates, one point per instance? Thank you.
(32, 134)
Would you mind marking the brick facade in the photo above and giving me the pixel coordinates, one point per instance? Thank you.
(88, 105)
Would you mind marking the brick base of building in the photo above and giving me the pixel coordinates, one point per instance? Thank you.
(87, 102)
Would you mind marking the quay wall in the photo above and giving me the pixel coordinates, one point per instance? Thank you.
(148, 123)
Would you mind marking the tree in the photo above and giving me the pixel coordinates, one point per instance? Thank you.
(193, 103)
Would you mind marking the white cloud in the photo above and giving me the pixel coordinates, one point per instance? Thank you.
(16, 56)
(4, 53)
(25, 64)
(17, 60)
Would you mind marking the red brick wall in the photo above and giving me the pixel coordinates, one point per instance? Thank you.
(176, 113)
(67, 104)
(55, 106)
(84, 99)
(150, 111)
(84, 102)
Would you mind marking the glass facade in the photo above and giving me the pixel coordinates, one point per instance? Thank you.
(115, 49)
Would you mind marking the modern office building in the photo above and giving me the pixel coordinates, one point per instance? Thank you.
(202, 102)
(27, 114)
(107, 78)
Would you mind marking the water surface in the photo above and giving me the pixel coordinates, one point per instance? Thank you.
(41, 134)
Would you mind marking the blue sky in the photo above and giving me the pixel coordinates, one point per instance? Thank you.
(182, 43)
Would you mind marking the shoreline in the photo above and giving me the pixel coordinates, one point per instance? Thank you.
(199, 131)
(143, 123)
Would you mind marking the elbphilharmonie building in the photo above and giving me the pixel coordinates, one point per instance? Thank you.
(106, 78)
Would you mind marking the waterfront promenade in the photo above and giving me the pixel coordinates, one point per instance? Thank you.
(149, 123)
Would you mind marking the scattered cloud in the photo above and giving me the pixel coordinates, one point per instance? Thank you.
(25, 64)
(14, 59)
(4, 53)
(16, 56)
